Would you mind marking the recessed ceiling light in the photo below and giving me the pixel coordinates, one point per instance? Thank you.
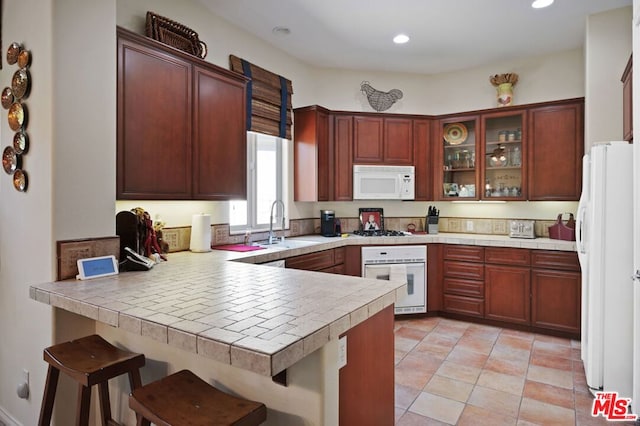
(281, 31)
(539, 4)
(401, 39)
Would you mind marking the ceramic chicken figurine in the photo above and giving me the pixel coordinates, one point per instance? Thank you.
(380, 101)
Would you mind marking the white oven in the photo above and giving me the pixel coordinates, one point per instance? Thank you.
(403, 263)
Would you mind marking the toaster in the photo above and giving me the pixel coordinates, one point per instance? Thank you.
(522, 229)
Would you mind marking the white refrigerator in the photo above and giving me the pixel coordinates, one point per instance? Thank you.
(604, 238)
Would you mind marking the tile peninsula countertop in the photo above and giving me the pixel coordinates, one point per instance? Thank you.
(258, 318)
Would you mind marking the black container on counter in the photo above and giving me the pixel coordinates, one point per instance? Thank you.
(328, 223)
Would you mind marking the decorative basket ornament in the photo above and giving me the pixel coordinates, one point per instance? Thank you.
(504, 84)
(174, 34)
(380, 101)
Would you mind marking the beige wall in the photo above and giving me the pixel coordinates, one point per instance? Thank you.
(70, 163)
(607, 50)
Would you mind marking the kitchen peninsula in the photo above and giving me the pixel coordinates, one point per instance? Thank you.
(238, 324)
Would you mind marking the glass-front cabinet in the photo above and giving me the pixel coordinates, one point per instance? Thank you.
(483, 157)
(504, 166)
(460, 154)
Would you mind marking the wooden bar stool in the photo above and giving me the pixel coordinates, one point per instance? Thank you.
(89, 361)
(185, 399)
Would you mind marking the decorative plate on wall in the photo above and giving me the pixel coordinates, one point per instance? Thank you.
(455, 133)
(16, 116)
(20, 180)
(9, 160)
(20, 142)
(20, 83)
(7, 98)
(12, 53)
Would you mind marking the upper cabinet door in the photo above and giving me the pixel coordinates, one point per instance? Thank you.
(220, 137)
(504, 159)
(343, 154)
(556, 147)
(423, 159)
(368, 139)
(312, 152)
(154, 123)
(458, 175)
(398, 141)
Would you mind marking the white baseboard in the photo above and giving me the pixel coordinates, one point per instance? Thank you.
(7, 419)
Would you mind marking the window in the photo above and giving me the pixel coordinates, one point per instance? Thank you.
(267, 178)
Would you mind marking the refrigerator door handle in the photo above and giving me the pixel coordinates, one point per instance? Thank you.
(581, 229)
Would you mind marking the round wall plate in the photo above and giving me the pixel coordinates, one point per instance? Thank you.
(7, 98)
(20, 142)
(20, 180)
(12, 53)
(9, 160)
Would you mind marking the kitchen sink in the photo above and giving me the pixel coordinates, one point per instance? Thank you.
(287, 244)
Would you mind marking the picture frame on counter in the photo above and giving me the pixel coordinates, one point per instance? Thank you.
(371, 219)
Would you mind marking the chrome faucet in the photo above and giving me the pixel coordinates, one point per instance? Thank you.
(272, 237)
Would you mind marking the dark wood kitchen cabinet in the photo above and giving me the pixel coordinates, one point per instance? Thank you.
(507, 285)
(331, 261)
(463, 280)
(537, 290)
(181, 131)
(423, 159)
(343, 157)
(219, 136)
(556, 147)
(368, 139)
(556, 291)
(382, 140)
(312, 153)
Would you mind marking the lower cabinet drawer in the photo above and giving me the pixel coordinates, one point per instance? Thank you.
(472, 271)
(464, 287)
(312, 261)
(464, 305)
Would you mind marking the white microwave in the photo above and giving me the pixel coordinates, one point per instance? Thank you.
(383, 182)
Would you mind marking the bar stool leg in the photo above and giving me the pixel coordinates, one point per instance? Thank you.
(105, 403)
(135, 382)
(49, 396)
(83, 405)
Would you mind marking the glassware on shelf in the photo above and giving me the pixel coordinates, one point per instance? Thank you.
(516, 157)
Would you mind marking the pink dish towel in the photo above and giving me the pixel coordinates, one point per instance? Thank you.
(237, 247)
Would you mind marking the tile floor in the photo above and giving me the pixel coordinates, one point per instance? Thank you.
(457, 373)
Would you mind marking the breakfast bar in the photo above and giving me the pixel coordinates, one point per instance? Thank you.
(235, 323)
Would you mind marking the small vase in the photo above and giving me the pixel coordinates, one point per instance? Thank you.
(505, 94)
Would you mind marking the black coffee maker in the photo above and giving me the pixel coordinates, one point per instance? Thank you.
(328, 223)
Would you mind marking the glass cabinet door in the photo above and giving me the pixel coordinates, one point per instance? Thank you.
(503, 164)
(459, 156)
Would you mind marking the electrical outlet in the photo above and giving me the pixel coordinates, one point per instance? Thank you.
(469, 225)
(342, 352)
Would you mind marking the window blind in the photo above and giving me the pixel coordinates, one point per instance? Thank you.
(269, 108)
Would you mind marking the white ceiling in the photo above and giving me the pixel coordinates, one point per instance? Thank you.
(446, 35)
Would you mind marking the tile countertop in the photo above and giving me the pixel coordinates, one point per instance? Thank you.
(324, 243)
(258, 318)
